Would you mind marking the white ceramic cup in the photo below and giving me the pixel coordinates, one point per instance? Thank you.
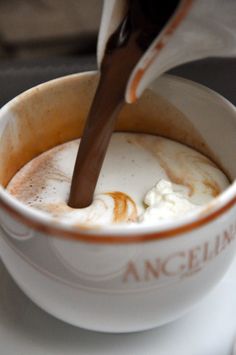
(117, 280)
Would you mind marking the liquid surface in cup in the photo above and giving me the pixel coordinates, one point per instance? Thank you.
(145, 179)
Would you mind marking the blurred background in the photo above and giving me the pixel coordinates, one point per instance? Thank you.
(43, 28)
(43, 39)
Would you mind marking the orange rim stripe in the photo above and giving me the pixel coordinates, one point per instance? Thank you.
(118, 239)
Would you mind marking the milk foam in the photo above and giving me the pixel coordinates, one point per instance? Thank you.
(183, 180)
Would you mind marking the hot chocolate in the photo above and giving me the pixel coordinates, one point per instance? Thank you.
(145, 179)
(139, 27)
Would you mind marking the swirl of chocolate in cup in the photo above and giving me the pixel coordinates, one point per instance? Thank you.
(143, 22)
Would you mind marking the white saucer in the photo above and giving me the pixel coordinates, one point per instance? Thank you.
(209, 329)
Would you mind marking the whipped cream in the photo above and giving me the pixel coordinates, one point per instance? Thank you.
(166, 201)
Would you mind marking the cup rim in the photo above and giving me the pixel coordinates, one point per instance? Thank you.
(123, 234)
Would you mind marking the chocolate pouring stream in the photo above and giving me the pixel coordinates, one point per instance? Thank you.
(124, 48)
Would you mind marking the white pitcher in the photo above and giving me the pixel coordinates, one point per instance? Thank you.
(197, 29)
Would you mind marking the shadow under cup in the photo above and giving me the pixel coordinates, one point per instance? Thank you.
(128, 281)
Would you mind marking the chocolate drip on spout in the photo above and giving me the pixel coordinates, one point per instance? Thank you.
(144, 20)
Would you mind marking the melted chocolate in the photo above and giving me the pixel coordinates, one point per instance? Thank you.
(142, 23)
